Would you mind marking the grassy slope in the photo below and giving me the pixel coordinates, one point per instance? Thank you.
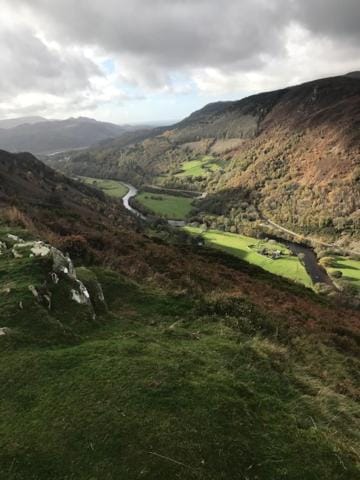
(110, 187)
(239, 245)
(169, 206)
(210, 397)
(198, 168)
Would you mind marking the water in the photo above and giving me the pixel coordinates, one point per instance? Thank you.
(316, 272)
(132, 192)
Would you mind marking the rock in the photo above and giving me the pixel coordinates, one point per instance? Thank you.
(16, 253)
(3, 248)
(81, 295)
(42, 295)
(4, 331)
(89, 279)
(62, 263)
(54, 277)
(40, 249)
(14, 238)
(47, 298)
(34, 291)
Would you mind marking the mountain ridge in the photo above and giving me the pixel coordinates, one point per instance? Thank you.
(49, 136)
(294, 151)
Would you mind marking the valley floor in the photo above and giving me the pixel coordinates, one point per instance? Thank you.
(249, 249)
(290, 266)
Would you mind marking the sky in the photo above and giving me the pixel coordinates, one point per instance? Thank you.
(138, 61)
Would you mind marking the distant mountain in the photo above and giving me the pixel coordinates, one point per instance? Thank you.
(15, 122)
(45, 137)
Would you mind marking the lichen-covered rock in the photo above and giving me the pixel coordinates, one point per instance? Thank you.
(31, 249)
(42, 295)
(62, 263)
(89, 279)
(80, 295)
(61, 292)
(14, 238)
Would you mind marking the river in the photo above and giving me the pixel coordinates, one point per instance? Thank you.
(132, 192)
(316, 272)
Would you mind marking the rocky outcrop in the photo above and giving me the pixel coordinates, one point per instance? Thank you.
(61, 279)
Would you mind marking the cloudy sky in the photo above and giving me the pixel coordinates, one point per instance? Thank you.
(154, 60)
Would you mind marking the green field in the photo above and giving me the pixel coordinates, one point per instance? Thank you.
(198, 168)
(288, 266)
(350, 270)
(113, 188)
(168, 206)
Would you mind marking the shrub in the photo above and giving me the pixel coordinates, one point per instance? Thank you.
(336, 274)
(326, 261)
(75, 245)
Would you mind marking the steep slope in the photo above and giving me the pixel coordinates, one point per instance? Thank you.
(205, 368)
(293, 154)
(56, 135)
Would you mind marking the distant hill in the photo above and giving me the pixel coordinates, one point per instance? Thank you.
(354, 74)
(45, 137)
(15, 122)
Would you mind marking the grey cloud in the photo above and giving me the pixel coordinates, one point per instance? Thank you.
(154, 41)
(27, 64)
(172, 33)
(334, 18)
(183, 33)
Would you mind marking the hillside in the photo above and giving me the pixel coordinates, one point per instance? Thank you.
(292, 154)
(15, 122)
(45, 137)
(122, 356)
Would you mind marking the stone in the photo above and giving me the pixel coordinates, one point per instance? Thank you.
(62, 263)
(81, 295)
(14, 238)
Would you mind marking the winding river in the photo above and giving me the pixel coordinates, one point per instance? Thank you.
(315, 271)
(132, 192)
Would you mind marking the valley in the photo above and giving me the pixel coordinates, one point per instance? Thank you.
(293, 261)
(183, 302)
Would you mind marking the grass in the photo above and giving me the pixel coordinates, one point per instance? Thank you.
(288, 266)
(350, 270)
(168, 206)
(164, 387)
(198, 168)
(168, 390)
(113, 188)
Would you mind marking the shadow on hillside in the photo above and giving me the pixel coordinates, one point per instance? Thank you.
(220, 203)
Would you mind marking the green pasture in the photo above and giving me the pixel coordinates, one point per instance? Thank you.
(246, 248)
(169, 206)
